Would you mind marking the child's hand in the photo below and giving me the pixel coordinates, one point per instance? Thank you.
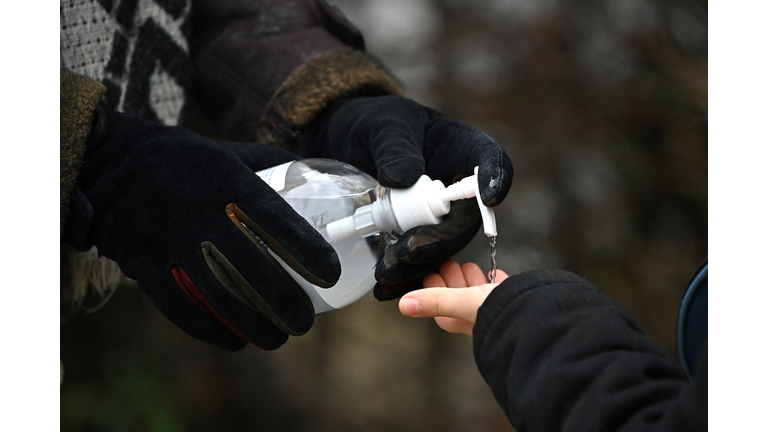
(454, 308)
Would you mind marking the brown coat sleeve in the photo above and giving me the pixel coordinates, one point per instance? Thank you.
(264, 69)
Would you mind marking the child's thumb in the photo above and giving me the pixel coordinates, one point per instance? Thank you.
(461, 303)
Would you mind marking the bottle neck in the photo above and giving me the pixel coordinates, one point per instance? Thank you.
(383, 213)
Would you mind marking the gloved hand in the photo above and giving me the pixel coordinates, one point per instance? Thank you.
(397, 140)
(169, 207)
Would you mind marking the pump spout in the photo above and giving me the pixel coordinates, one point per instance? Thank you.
(467, 188)
(487, 213)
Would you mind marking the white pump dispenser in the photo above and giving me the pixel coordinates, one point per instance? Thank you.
(355, 215)
(424, 203)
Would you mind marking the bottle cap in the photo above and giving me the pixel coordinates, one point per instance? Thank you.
(415, 206)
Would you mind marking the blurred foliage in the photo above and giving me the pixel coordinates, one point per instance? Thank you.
(602, 107)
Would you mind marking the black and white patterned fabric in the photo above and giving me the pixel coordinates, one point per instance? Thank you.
(137, 48)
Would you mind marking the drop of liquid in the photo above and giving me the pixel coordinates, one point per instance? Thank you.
(492, 239)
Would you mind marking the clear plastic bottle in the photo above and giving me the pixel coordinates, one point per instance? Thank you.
(357, 216)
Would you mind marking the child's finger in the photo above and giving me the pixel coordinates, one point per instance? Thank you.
(473, 274)
(433, 280)
(461, 303)
(454, 325)
(454, 277)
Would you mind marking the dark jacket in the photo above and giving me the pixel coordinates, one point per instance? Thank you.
(560, 355)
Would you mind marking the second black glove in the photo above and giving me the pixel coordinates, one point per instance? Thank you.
(397, 140)
(178, 213)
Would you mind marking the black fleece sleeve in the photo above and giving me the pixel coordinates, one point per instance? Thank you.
(560, 355)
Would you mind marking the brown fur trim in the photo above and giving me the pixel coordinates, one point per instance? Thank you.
(78, 97)
(315, 84)
(84, 272)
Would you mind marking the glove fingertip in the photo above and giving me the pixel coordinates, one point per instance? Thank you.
(387, 290)
(231, 344)
(402, 172)
(330, 270)
(495, 186)
(320, 265)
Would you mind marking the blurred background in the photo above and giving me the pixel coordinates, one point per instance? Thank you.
(602, 107)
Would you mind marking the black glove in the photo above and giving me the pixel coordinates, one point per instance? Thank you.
(397, 140)
(169, 207)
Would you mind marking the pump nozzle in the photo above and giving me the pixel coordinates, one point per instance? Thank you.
(468, 187)
(487, 213)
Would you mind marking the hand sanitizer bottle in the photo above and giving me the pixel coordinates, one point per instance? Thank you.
(358, 217)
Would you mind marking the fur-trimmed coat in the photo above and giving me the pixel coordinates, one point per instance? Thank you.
(238, 70)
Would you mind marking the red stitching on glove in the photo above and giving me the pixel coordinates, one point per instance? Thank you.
(197, 297)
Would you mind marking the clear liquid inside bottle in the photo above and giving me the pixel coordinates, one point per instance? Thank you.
(324, 191)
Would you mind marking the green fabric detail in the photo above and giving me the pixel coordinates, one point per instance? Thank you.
(236, 284)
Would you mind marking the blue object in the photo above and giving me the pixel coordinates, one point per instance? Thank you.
(692, 320)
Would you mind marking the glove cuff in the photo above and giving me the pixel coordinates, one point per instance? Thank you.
(315, 84)
(98, 128)
(79, 220)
